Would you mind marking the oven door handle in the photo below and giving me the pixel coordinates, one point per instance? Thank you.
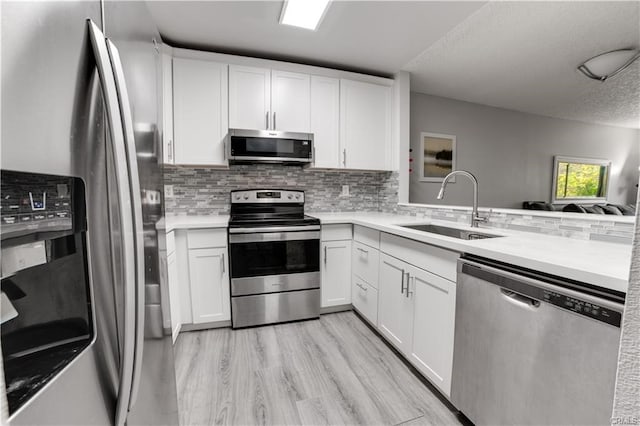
(262, 230)
(265, 237)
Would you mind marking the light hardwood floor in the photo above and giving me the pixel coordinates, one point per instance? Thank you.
(330, 371)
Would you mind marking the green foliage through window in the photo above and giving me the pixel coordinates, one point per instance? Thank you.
(581, 180)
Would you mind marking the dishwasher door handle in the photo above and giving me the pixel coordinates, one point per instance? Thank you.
(519, 299)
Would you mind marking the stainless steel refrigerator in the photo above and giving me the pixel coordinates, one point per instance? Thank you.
(81, 109)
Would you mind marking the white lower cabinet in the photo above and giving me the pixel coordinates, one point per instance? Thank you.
(209, 277)
(335, 273)
(395, 306)
(198, 275)
(364, 298)
(434, 320)
(174, 295)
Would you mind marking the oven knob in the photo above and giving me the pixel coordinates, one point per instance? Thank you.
(297, 196)
(245, 196)
(237, 197)
(289, 196)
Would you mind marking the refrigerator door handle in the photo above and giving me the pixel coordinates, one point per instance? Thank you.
(112, 107)
(138, 236)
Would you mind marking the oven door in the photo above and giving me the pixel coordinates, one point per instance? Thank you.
(259, 253)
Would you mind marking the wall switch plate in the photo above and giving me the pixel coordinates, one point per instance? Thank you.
(345, 191)
(168, 191)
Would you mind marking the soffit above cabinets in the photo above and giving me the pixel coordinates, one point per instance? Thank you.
(374, 37)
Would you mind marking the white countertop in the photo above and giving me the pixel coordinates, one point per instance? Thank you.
(599, 263)
(171, 223)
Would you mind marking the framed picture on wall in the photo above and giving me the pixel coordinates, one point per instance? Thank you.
(437, 156)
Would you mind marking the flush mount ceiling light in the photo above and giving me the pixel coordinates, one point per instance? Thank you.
(304, 13)
(606, 65)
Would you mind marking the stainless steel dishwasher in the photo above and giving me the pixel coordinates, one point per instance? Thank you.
(533, 349)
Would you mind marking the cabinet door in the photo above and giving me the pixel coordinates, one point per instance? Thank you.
(249, 98)
(365, 125)
(167, 109)
(209, 273)
(325, 121)
(365, 299)
(200, 112)
(290, 101)
(434, 321)
(395, 309)
(335, 273)
(174, 295)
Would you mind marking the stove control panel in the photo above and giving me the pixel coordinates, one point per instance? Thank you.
(270, 196)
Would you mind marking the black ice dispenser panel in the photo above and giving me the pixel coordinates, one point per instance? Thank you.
(46, 304)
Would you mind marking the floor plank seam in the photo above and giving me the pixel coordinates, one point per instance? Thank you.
(410, 420)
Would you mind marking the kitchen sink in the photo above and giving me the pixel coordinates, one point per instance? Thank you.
(463, 234)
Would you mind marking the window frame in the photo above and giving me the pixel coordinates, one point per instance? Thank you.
(557, 159)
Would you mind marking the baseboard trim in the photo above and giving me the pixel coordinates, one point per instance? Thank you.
(339, 308)
(205, 325)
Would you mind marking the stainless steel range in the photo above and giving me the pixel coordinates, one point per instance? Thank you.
(275, 258)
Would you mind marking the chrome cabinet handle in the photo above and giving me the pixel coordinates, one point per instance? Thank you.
(170, 148)
(112, 108)
(361, 286)
(410, 280)
(325, 255)
(274, 121)
(402, 282)
(136, 211)
(222, 261)
(267, 120)
(362, 250)
(344, 157)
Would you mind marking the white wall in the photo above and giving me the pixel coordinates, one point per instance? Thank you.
(511, 153)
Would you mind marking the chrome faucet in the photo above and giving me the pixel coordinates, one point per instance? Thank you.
(475, 218)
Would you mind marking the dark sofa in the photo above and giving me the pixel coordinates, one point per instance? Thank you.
(612, 209)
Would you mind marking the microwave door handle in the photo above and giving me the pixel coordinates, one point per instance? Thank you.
(112, 107)
(136, 201)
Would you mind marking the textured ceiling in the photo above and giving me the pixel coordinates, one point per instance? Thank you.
(523, 56)
(378, 37)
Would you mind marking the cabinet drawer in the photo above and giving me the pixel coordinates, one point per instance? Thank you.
(367, 236)
(171, 243)
(336, 232)
(207, 238)
(430, 258)
(365, 299)
(365, 263)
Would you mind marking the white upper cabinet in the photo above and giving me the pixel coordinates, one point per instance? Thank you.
(365, 125)
(249, 98)
(200, 93)
(325, 121)
(167, 109)
(290, 101)
(262, 99)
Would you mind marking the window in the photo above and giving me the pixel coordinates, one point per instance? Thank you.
(580, 180)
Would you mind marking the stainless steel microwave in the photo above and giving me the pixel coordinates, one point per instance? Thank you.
(270, 146)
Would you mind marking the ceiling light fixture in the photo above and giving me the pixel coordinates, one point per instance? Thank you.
(304, 13)
(606, 65)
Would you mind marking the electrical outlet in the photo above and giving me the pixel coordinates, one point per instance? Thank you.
(168, 191)
(345, 191)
